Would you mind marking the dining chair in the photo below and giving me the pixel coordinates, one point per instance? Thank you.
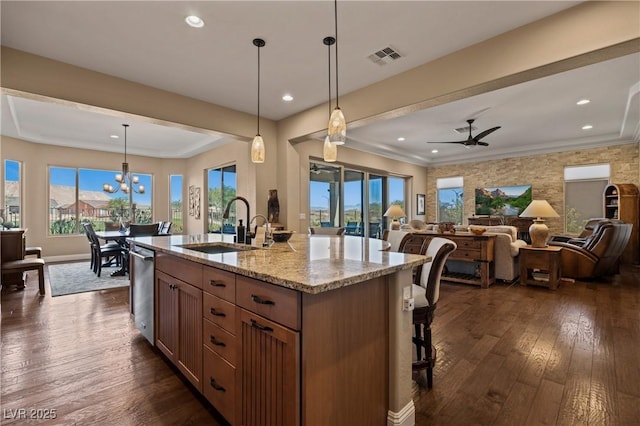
(164, 228)
(110, 251)
(426, 293)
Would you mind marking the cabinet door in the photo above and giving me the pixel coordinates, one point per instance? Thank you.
(189, 313)
(268, 384)
(165, 314)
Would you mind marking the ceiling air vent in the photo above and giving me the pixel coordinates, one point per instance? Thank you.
(384, 56)
(465, 130)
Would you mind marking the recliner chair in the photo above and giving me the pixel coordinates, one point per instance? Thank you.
(599, 253)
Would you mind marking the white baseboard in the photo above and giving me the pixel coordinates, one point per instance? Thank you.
(405, 417)
(67, 258)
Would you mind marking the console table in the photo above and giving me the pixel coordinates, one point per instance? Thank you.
(478, 249)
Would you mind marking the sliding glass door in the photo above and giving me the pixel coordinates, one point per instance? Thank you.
(353, 199)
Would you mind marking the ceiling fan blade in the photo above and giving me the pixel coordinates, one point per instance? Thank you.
(485, 133)
(482, 143)
(463, 142)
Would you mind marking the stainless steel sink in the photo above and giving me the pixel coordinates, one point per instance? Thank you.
(217, 248)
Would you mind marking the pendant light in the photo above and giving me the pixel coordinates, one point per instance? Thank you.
(337, 129)
(330, 150)
(257, 146)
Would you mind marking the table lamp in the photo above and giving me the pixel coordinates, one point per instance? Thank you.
(538, 231)
(394, 211)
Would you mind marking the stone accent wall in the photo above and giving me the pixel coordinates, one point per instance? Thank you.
(544, 172)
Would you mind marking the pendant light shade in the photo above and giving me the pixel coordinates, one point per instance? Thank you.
(257, 146)
(330, 150)
(257, 149)
(337, 128)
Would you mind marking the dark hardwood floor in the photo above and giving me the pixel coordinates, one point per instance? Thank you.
(508, 355)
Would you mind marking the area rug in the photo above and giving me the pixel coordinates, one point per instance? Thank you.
(77, 277)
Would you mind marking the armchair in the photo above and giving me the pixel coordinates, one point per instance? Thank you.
(580, 239)
(598, 255)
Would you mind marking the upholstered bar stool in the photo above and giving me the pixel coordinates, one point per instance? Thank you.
(426, 295)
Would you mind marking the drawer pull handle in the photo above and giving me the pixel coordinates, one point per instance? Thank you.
(216, 313)
(173, 286)
(262, 301)
(255, 324)
(217, 342)
(215, 385)
(217, 283)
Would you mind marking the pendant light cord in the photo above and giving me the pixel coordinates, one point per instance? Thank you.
(125, 142)
(258, 130)
(335, 2)
(329, 56)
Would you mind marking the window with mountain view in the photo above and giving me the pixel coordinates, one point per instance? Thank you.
(450, 199)
(11, 213)
(222, 187)
(353, 199)
(76, 196)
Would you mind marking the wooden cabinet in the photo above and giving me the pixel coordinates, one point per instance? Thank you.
(253, 364)
(621, 202)
(179, 325)
(475, 250)
(269, 372)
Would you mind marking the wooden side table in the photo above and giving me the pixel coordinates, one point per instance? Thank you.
(540, 266)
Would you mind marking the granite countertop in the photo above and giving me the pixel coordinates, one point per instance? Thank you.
(311, 264)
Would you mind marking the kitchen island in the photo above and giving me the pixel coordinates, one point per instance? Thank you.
(309, 332)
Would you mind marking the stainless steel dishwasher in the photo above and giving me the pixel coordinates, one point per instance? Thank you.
(142, 289)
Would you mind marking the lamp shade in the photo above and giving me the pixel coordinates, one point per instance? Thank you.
(539, 208)
(337, 127)
(394, 210)
(538, 231)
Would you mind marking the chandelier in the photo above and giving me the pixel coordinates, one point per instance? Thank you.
(126, 181)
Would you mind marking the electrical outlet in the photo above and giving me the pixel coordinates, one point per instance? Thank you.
(408, 304)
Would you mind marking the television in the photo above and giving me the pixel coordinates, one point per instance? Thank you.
(502, 200)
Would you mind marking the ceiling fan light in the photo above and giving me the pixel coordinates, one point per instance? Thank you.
(337, 129)
(257, 150)
(330, 151)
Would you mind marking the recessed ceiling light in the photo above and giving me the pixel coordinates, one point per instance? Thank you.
(400, 139)
(587, 127)
(583, 102)
(194, 21)
(114, 136)
(434, 151)
(287, 98)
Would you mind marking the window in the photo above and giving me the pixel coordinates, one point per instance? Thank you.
(450, 199)
(354, 199)
(583, 190)
(175, 206)
(12, 210)
(76, 196)
(222, 187)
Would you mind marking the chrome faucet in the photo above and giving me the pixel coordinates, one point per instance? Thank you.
(268, 238)
(225, 215)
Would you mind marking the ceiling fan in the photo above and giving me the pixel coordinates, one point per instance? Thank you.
(474, 140)
(316, 170)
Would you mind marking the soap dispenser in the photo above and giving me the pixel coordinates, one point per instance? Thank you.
(240, 232)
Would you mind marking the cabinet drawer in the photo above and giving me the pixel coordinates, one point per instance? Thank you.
(279, 304)
(219, 283)
(219, 340)
(219, 312)
(466, 254)
(185, 270)
(219, 384)
(468, 243)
